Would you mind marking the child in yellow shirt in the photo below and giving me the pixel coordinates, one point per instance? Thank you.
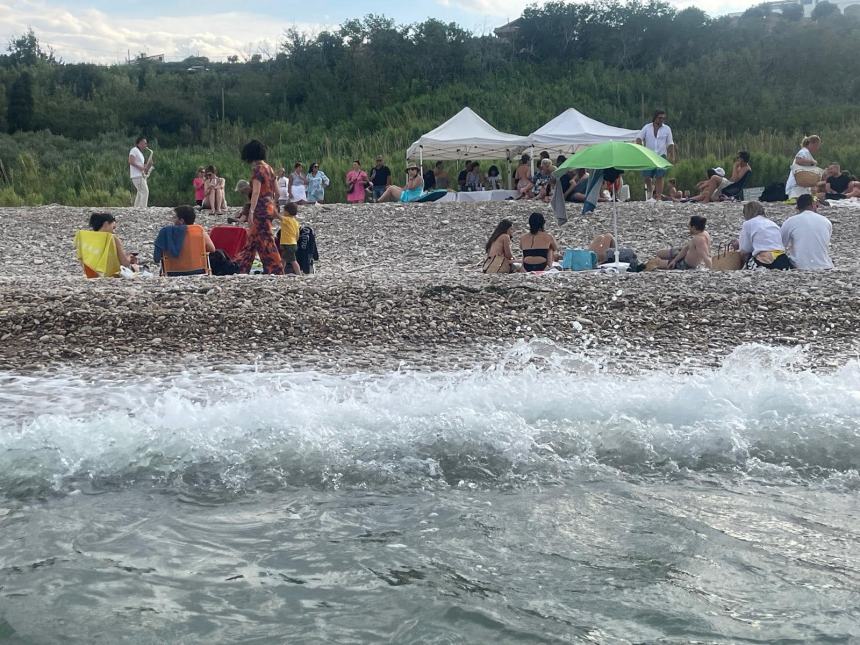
(290, 237)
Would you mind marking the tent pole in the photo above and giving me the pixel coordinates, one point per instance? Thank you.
(615, 222)
(421, 160)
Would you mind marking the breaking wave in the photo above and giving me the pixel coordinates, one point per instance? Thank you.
(538, 417)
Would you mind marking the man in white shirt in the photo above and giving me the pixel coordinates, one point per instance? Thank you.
(806, 236)
(657, 136)
(760, 239)
(139, 170)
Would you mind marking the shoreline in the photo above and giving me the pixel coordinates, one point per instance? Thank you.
(399, 288)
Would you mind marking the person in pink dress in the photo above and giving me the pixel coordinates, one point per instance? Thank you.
(199, 183)
(356, 183)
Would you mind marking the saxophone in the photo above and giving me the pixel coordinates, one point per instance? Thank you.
(148, 165)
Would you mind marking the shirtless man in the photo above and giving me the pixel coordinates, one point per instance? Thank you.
(696, 252)
(713, 186)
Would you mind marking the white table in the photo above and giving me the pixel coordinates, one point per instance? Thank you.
(486, 195)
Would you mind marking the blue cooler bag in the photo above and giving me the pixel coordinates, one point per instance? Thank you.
(579, 260)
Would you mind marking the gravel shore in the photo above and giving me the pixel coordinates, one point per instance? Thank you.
(399, 286)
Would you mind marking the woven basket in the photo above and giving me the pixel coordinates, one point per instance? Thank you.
(808, 177)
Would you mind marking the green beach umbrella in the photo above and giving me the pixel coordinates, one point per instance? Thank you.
(614, 154)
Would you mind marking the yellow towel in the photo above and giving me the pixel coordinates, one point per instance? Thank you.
(97, 251)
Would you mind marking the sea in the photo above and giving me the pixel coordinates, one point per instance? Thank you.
(548, 497)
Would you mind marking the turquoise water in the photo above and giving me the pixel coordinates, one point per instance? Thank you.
(553, 503)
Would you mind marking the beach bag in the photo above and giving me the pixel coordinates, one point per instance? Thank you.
(807, 176)
(579, 260)
(773, 193)
(496, 264)
(727, 260)
(221, 264)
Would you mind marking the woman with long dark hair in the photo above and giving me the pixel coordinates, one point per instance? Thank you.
(539, 248)
(264, 208)
(500, 258)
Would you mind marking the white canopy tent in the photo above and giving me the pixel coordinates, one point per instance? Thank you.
(466, 136)
(572, 130)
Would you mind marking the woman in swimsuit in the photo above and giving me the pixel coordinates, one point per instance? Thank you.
(539, 248)
(500, 258)
(522, 176)
(410, 192)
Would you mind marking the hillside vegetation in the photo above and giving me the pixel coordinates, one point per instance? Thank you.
(759, 82)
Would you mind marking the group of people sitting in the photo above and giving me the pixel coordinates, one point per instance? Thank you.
(185, 248)
(802, 242)
(539, 250)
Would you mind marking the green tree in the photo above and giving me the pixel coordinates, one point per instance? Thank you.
(792, 12)
(824, 10)
(26, 51)
(19, 114)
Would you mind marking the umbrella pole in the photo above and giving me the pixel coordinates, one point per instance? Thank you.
(615, 221)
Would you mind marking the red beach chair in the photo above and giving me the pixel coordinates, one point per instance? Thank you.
(230, 239)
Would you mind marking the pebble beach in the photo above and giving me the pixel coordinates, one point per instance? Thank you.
(400, 287)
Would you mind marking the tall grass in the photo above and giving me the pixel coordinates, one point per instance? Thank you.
(41, 168)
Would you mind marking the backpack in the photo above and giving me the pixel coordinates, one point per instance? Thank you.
(773, 193)
(221, 264)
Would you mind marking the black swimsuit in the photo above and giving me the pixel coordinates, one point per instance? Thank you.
(535, 266)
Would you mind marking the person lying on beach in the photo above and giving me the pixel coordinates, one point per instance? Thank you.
(539, 248)
(761, 239)
(500, 257)
(106, 223)
(712, 187)
(604, 248)
(673, 193)
(694, 253)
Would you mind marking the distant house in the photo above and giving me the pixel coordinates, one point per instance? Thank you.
(143, 58)
(509, 30)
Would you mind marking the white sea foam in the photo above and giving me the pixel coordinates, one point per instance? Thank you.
(761, 413)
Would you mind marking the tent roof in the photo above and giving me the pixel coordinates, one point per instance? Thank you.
(571, 130)
(466, 136)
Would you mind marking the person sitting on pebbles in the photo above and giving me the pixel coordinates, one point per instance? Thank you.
(539, 248)
(106, 223)
(500, 257)
(244, 189)
(761, 240)
(694, 253)
(410, 192)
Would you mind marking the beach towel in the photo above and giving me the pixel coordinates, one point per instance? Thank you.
(431, 196)
(558, 205)
(97, 252)
(592, 191)
(170, 239)
(851, 203)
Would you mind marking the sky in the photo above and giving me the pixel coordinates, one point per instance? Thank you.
(107, 31)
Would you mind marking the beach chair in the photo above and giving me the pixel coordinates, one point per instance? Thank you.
(96, 251)
(230, 239)
(736, 190)
(192, 259)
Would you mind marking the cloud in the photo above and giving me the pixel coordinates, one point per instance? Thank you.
(94, 36)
